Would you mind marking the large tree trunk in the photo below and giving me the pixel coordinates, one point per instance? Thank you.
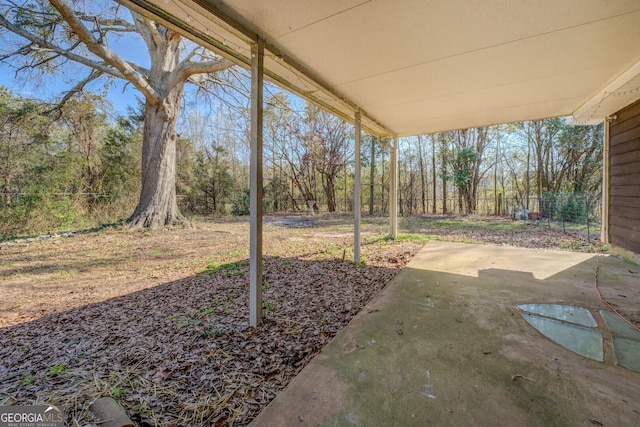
(158, 203)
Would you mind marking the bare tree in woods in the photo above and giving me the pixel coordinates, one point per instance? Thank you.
(84, 125)
(423, 184)
(325, 138)
(279, 142)
(444, 139)
(372, 175)
(580, 150)
(541, 136)
(497, 197)
(407, 177)
(465, 161)
(307, 147)
(433, 172)
(21, 128)
(312, 143)
(49, 35)
(300, 169)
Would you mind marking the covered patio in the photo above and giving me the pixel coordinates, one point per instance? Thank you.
(397, 69)
(445, 344)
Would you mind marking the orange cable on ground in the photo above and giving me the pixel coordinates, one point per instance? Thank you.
(607, 303)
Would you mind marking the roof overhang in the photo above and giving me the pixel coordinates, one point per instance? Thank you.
(416, 66)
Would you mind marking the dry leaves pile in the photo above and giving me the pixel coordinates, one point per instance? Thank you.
(182, 353)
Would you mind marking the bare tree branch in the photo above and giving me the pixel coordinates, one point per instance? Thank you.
(86, 36)
(53, 48)
(79, 87)
(140, 69)
(147, 31)
(115, 24)
(23, 50)
(187, 69)
(153, 30)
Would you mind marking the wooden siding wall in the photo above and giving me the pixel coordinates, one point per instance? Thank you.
(624, 178)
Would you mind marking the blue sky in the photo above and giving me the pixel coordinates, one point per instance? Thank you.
(130, 48)
(52, 87)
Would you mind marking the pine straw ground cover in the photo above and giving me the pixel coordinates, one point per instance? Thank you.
(158, 320)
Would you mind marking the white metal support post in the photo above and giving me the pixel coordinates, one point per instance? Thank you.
(255, 184)
(393, 190)
(356, 191)
(604, 228)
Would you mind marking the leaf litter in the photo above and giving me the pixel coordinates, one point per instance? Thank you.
(182, 353)
(169, 340)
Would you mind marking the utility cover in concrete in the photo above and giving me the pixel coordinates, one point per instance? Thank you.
(618, 326)
(627, 353)
(583, 341)
(568, 313)
(625, 340)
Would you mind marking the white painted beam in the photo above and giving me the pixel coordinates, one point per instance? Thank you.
(393, 190)
(619, 93)
(604, 227)
(255, 184)
(356, 191)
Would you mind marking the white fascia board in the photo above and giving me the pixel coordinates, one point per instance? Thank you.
(621, 92)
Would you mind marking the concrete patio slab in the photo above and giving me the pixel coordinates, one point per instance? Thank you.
(444, 344)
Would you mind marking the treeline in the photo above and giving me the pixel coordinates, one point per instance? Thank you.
(499, 169)
(64, 168)
(77, 166)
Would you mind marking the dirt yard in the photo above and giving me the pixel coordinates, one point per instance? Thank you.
(159, 320)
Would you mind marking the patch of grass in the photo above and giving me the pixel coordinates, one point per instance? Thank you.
(233, 296)
(499, 225)
(117, 392)
(65, 274)
(630, 259)
(235, 253)
(332, 249)
(156, 253)
(447, 222)
(183, 320)
(141, 408)
(56, 370)
(210, 332)
(627, 256)
(286, 262)
(203, 313)
(268, 306)
(230, 268)
(27, 380)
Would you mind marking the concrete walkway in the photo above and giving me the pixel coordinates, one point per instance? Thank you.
(444, 345)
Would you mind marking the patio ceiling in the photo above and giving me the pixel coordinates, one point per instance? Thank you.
(417, 66)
